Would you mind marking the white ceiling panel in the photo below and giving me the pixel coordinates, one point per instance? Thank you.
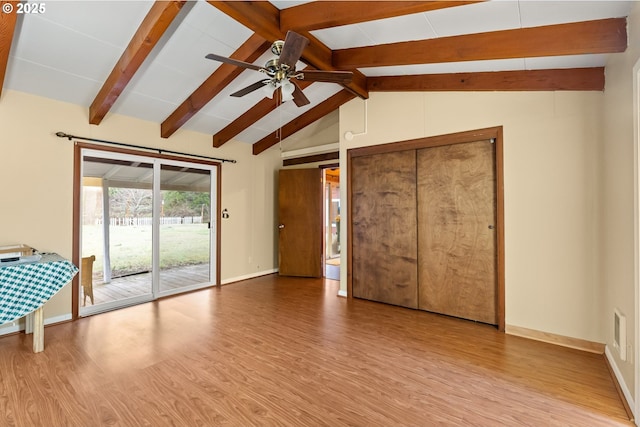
(44, 42)
(210, 21)
(403, 28)
(475, 18)
(205, 124)
(163, 83)
(252, 135)
(284, 4)
(539, 13)
(25, 76)
(95, 20)
(191, 61)
(275, 120)
(143, 107)
(447, 67)
(570, 61)
(343, 37)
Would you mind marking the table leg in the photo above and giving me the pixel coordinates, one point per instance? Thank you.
(38, 330)
(28, 323)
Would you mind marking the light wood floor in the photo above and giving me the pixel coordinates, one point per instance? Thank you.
(289, 352)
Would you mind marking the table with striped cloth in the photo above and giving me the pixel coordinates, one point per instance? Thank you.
(25, 287)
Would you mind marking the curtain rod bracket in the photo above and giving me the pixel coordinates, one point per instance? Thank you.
(159, 150)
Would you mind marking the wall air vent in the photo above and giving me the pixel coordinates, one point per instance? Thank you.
(620, 333)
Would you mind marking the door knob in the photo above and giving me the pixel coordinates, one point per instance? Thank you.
(281, 226)
(491, 227)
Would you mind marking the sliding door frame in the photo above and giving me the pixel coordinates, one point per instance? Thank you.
(77, 206)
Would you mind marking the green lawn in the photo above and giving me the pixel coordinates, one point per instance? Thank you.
(180, 245)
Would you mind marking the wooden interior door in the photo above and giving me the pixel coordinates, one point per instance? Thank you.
(457, 230)
(300, 222)
(383, 215)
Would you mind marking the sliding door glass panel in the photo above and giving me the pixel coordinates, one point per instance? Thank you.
(116, 230)
(185, 229)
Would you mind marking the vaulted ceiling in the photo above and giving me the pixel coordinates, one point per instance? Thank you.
(147, 59)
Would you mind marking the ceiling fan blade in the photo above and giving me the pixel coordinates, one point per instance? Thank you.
(294, 45)
(248, 89)
(325, 76)
(233, 62)
(299, 97)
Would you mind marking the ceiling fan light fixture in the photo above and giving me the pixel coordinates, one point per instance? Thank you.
(269, 89)
(287, 90)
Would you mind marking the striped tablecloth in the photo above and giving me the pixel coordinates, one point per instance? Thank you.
(26, 287)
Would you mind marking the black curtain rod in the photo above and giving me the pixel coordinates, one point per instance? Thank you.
(159, 150)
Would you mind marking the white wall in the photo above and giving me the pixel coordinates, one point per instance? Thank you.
(36, 172)
(551, 142)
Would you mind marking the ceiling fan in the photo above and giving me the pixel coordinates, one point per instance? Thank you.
(281, 71)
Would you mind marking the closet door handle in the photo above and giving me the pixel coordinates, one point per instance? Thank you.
(491, 227)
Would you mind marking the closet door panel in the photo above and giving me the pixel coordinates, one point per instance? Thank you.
(384, 249)
(456, 230)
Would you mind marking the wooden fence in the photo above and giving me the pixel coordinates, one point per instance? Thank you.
(165, 220)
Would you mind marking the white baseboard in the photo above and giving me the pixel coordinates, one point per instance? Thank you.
(57, 319)
(577, 343)
(620, 379)
(342, 293)
(248, 276)
(11, 328)
(19, 325)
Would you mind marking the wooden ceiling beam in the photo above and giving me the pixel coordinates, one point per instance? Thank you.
(589, 37)
(303, 120)
(583, 79)
(248, 118)
(153, 26)
(250, 50)
(326, 14)
(7, 29)
(334, 155)
(263, 18)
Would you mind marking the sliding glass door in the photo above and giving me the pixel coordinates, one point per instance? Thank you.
(185, 229)
(148, 228)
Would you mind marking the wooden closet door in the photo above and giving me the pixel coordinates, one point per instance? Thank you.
(457, 230)
(383, 212)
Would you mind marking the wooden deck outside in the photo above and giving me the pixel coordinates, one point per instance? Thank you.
(140, 284)
(289, 352)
